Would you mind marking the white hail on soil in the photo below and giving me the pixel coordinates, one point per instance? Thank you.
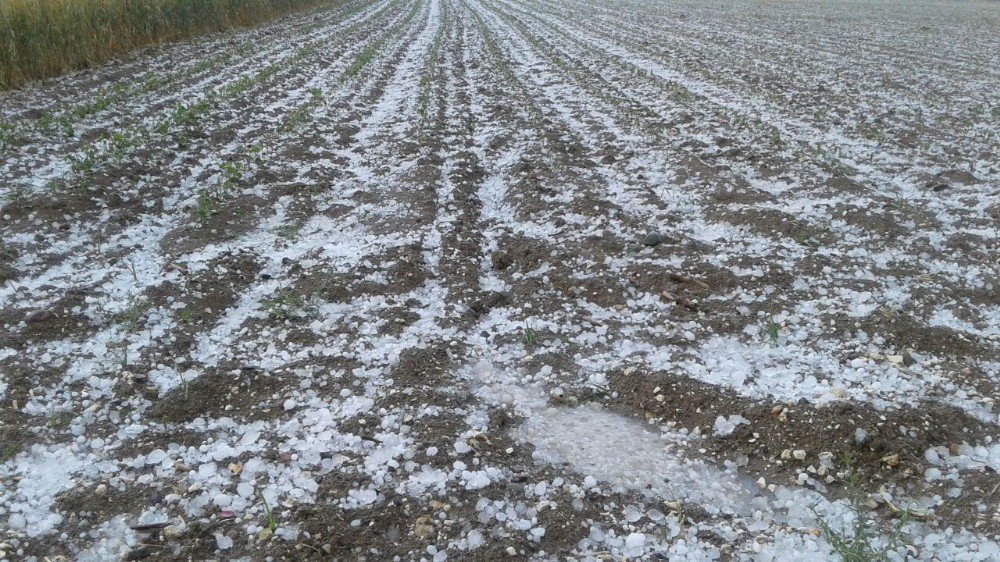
(553, 135)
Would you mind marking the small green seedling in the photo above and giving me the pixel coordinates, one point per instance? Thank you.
(860, 542)
(772, 331)
(529, 335)
(9, 452)
(272, 523)
(206, 206)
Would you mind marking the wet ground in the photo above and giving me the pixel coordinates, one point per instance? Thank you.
(470, 280)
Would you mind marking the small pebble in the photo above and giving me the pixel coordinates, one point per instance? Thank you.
(38, 316)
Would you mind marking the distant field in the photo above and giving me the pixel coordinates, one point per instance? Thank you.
(42, 38)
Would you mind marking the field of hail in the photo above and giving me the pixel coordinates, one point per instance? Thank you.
(511, 279)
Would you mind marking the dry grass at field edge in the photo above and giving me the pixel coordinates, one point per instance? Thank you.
(45, 38)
